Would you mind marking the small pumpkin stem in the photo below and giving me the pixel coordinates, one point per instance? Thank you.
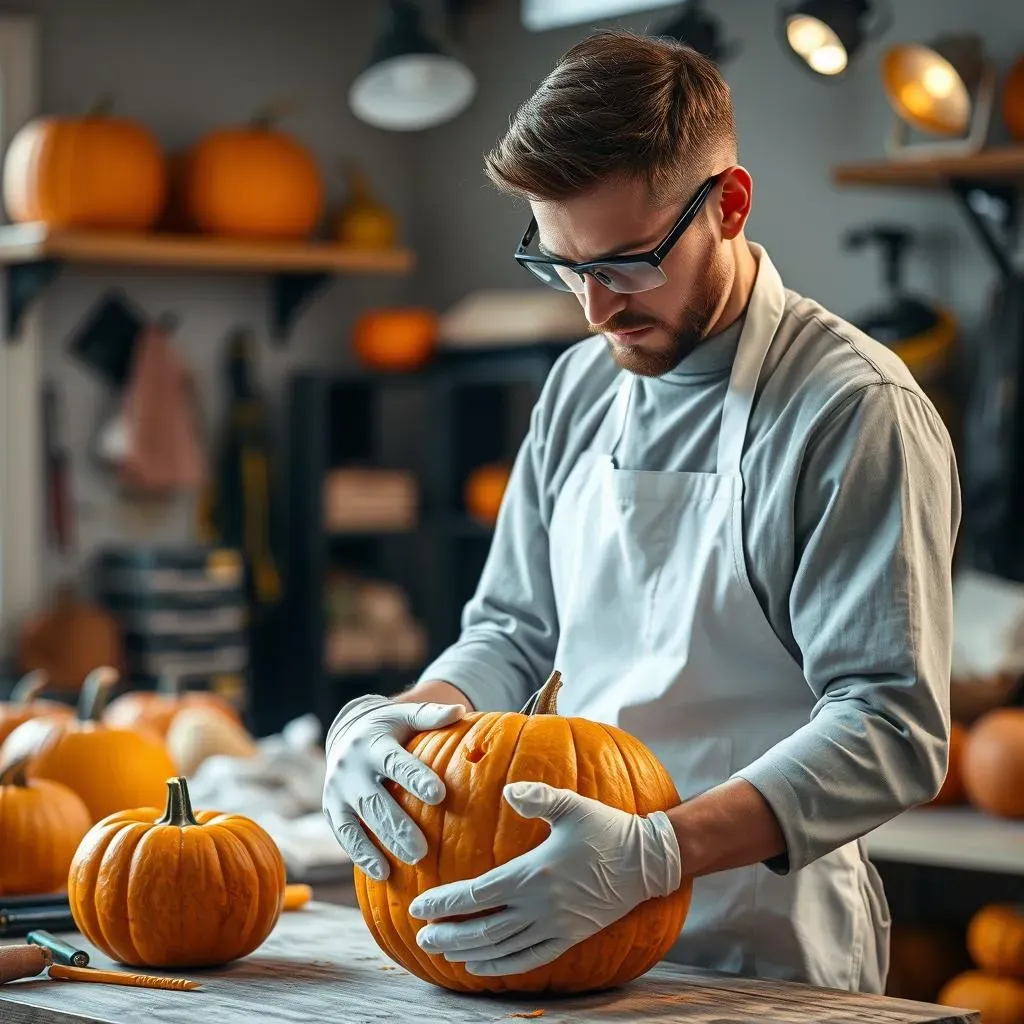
(15, 774)
(95, 693)
(102, 107)
(270, 115)
(547, 703)
(179, 805)
(169, 685)
(29, 687)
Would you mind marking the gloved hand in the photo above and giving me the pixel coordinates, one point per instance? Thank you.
(364, 747)
(595, 866)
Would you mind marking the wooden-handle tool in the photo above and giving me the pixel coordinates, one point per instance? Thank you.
(63, 973)
(22, 962)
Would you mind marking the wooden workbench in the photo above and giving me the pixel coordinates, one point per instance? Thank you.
(320, 965)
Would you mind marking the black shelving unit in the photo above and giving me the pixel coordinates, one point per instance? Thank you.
(466, 409)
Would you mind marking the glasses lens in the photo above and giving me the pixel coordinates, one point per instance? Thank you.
(628, 278)
(553, 276)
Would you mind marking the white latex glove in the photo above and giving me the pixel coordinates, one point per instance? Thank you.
(364, 747)
(597, 864)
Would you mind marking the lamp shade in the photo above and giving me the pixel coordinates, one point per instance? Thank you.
(825, 34)
(932, 87)
(410, 83)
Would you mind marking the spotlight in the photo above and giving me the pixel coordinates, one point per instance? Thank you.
(826, 35)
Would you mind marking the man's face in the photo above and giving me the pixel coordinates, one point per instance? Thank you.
(651, 332)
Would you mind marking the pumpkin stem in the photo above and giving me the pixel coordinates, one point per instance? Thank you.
(267, 117)
(547, 703)
(29, 687)
(102, 107)
(95, 693)
(15, 773)
(179, 805)
(169, 685)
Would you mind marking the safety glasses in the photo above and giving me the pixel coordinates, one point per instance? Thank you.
(637, 272)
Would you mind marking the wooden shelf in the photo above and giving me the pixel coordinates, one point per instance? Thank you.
(1004, 164)
(24, 243)
(952, 837)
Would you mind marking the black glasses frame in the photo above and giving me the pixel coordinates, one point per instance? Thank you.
(653, 257)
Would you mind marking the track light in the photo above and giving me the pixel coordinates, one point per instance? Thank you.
(826, 35)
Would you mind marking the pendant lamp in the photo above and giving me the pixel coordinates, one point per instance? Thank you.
(825, 36)
(409, 83)
(946, 89)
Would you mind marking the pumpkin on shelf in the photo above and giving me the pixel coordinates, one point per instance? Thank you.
(995, 939)
(42, 823)
(250, 181)
(176, 888)
(399, 339)
(201, 732)
(96, 171)
(484, 490)
(110, 769)
(475, 758)
(363, 222)
(952, 790)
(155, 710)
(993, 763)
(998, 1000)
(25, 704)
(1013, 100)
(922, 959)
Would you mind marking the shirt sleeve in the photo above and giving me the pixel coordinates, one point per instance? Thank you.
(509, 632)
(876, 517)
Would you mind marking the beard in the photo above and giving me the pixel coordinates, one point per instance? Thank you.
(684, 333)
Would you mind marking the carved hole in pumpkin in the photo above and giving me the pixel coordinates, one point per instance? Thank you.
(475, 754)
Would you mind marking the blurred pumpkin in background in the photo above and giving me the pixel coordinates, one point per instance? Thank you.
(993, 763)
(1013, 100)
(363, 222)
(155, 710)
(952, 791)
(96, 171)
(24, 704)
(250, 181)
(484, 491)
(396, 339)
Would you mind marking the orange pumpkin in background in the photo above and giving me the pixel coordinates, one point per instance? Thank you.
(993, 763)
(475, 830)
(400, 339)
(95, 171)
(23, 705)
(176, 888)
(250, 181)
(110, 769)
(484, 491)
(1013, 100)
(155, 711)
(952, 791)
(998, 1000)
(995, 939)
(41, 824)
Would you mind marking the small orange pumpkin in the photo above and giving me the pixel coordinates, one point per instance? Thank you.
(251, 181)
(24, 704)
(995, 939)
(1013, 100)
(993, 763)
(155, 711)
(110, 769)
(952, 790)
(484, 490)
(176, 888)
(475, 830)
(41, 825)
(998, 1000)
(95, 171)
(395, 339)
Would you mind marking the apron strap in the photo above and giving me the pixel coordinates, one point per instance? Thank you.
(764, 314)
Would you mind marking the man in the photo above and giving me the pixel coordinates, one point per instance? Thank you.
(730, 527)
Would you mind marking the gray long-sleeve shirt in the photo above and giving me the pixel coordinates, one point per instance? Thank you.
(850, 517)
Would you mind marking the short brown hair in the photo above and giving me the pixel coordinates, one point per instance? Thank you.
(617, 104)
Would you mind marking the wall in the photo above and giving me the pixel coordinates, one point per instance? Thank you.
(792, 129)
(184, 68)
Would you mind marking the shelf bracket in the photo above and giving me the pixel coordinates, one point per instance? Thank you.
(290, 291)
(25, 281)
(992, 211)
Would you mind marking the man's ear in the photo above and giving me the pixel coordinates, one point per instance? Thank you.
(737, 199)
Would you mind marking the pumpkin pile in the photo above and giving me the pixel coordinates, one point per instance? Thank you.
(994, 986)
(25, 704)
(477, 831)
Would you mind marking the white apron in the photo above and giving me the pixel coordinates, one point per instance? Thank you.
(662, 635)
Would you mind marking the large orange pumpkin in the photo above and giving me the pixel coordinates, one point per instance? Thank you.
(41, 825)
(176, 888)
(95, 171)
(993, 763)
(995, 939)
(395, 339)
(154, 711)
(24, 704)
(484, 490)
(110, 769)
(474, 830)
(952, 790)
(251, 181)
(998, 1000)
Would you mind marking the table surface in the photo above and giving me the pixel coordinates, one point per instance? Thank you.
(321, 964)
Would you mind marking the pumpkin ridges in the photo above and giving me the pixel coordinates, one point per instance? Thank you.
(82, 877)
(111, 890)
